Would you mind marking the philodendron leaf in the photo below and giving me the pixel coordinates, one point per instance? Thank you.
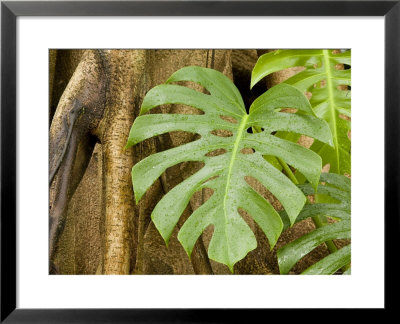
(329, 100)
(225, 174)
(338, 189)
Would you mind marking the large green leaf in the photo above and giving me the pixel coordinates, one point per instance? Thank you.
(329, 101)
(337, 190)
(225, 174)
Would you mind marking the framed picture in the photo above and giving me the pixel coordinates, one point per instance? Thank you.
(77, 58)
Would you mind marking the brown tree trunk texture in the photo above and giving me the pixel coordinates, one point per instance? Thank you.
(95, 225)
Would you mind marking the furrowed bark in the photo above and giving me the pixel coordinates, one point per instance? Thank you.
(71, 143)
(65, 63)
(126, 80)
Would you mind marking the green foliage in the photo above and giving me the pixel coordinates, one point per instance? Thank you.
(335, 191)
(225, 174)
(329, 102)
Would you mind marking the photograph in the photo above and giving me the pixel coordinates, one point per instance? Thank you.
(203, 161)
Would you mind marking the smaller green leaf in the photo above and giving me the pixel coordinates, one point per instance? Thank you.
(334, 202)
(294, 251)
(328, 99)
(280, 60)
(337, 180)
(330, 264)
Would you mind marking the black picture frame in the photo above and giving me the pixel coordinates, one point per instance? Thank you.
(10, 10)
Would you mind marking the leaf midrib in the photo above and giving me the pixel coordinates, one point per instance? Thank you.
(331, 103)
(238, 138)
